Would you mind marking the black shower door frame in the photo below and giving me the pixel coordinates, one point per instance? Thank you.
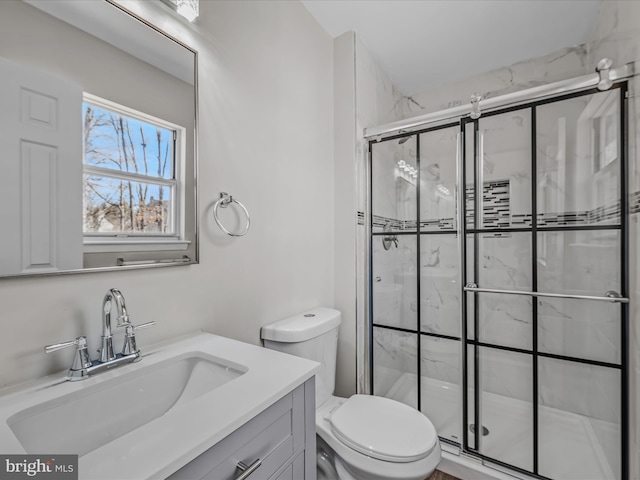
(463, 230)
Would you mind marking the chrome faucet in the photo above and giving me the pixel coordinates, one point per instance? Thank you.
(83, 366)
(113, 296)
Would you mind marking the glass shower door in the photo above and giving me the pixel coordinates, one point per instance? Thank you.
(545, 267)
(580, 250)
(415, 275)
(439, 269)
(499, 257)
(394, 295)
(498, 283)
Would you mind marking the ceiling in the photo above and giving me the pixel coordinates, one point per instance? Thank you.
(422, 44)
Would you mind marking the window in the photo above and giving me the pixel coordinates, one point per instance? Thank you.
(131, 183)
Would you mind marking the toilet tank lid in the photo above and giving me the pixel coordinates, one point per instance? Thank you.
(303, 326)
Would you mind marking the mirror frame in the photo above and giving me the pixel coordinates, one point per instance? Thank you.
(145, 264)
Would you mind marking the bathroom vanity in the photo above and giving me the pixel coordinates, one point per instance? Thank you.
(201, 407)
(275, 444)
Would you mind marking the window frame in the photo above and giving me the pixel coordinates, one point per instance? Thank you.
(97, 242)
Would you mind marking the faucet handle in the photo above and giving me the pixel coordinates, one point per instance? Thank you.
(81, 360)
(132, 328)
(129, 346)
(80, 341)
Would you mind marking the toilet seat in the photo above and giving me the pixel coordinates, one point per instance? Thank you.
(383, 429)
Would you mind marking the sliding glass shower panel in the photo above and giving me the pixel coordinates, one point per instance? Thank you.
(578, 161)
(470, 279)
(500, 410)
(506, 407)
(440, 285)
(438, 151)
(468, 428)
(502, 162)
(469, 147)
(440, 382)
(394, 286)
(504, 263)
(584, 262)
(393, 185)
(581, 262)
(395, 359)
(579, 421)
(439, 264)
(579, 329)
(505, 320)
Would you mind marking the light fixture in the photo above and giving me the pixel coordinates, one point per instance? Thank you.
(407, 172)
(443, 189)
(189, 9)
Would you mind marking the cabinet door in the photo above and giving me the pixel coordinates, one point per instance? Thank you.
(273, 437)
(293, 471)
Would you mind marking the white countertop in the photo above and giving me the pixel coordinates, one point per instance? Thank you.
(162, 446)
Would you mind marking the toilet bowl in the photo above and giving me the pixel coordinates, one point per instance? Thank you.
(375, 438)
(363, 437)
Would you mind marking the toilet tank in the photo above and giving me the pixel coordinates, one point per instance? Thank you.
(313, 335)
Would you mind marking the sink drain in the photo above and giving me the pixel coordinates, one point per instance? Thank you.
(472, 429)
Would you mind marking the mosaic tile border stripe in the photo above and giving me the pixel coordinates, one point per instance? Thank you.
(634, 203)
(409, 225)
(496, 215)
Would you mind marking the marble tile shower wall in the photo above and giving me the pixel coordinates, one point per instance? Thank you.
(395, 356)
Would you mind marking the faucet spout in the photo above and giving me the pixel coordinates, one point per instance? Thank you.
(112, 297)
(83, 366)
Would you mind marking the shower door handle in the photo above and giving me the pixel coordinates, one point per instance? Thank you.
(610, 296)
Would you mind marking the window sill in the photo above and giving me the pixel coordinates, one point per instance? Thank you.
(122, 245)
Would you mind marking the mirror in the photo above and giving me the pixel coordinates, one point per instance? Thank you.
(98, 140)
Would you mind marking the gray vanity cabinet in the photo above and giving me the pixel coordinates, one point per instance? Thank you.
(281, 438)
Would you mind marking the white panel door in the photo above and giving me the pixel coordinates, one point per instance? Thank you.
(41, 171)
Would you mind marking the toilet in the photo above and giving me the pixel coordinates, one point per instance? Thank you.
(363, 437)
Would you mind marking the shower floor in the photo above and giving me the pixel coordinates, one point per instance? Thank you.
(569, 447)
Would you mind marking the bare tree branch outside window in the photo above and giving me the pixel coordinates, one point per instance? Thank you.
(114, 201)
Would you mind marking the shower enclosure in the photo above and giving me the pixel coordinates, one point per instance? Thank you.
(498, 282)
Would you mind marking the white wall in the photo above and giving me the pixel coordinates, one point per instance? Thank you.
(266, 137)
(364, 96)
(377, 102)
(344, 208)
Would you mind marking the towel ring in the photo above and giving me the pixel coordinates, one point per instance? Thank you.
(224, 200)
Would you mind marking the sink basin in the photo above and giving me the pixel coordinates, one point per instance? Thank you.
(146, 420)
(83, 421)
